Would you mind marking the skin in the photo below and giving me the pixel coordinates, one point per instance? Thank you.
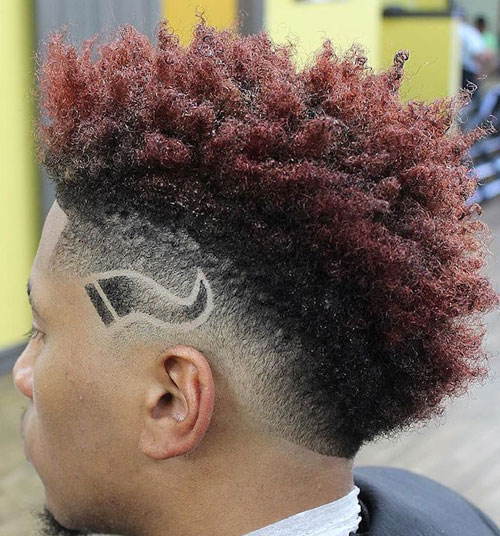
(109, 434)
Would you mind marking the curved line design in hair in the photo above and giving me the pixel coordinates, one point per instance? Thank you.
(123, 296)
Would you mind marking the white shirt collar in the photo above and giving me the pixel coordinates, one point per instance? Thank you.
(338, 518)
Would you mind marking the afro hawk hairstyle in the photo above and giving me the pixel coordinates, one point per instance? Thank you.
(345, 208)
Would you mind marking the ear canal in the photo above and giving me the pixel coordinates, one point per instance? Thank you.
(162, 406)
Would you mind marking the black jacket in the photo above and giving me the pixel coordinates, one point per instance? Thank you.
(399, 503)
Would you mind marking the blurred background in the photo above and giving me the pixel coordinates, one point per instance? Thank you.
(450, 44)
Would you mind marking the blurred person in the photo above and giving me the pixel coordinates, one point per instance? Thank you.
(249, 272)
(489, 37)
(475, 54)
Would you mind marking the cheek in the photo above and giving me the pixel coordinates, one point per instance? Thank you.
(82, 409)
(66, 410)
(77, 436)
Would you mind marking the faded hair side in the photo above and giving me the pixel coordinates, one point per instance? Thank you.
(336, 215)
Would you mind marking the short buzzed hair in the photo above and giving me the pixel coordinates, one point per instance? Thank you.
(328, 217)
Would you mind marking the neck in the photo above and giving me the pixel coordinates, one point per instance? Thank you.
(243, 491)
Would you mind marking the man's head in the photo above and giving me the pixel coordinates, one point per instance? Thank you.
(122, 369)
(247, 270)
(480, 24)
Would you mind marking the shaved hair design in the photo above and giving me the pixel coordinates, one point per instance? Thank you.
(122, 296)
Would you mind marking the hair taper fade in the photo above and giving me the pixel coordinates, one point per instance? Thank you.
(344, 206)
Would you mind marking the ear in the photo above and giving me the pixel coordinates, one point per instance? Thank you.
(179, 404)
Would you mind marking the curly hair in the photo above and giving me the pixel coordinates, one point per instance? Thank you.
(345, 208)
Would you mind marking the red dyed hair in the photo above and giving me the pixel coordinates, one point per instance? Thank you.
(347, 205)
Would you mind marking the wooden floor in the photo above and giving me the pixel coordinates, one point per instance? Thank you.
(462, 450)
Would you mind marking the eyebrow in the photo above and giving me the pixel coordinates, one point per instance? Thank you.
(30, 298)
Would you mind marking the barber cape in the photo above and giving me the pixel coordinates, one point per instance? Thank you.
(399, 503)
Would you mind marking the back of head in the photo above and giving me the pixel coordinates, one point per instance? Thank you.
(480, 23)
(317, 224)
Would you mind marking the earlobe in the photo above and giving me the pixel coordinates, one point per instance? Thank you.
(179, 404)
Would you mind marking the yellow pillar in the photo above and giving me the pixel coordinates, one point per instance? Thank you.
(418, 5)
(433, 69)
(344, 22)
(311, 23)
(181, 14)
(18, 183)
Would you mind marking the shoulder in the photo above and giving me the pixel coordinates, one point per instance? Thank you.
(401, 502)
(472, 37)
